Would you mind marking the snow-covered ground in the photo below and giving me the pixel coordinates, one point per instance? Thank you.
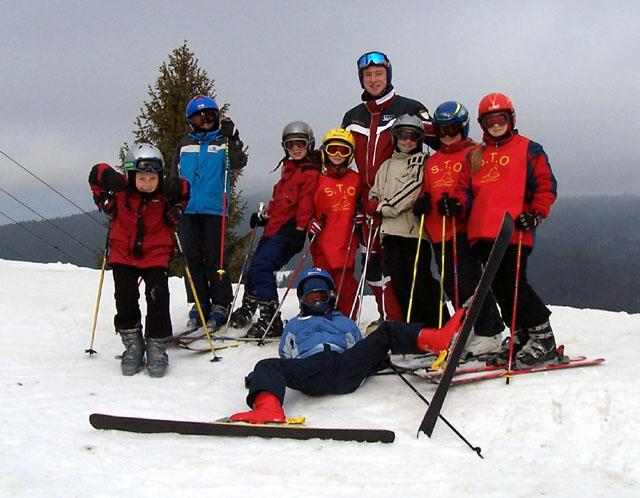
(566, 433)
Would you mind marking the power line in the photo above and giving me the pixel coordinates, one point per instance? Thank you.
(36, 236)
(52, 188)
(92, 251)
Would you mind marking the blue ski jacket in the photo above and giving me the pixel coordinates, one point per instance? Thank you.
(306, 335)
(201, 158)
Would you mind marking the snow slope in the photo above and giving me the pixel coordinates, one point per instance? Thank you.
(566, 433)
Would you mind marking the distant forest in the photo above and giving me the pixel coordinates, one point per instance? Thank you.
(587, 253)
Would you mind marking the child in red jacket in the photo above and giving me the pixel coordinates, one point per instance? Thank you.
(441, 172)
(285, 227)
(145, 209)
(335, 246)
(509, 173)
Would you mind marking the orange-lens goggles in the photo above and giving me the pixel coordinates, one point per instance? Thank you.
(496, 119)
(296, 143)
(337, 149)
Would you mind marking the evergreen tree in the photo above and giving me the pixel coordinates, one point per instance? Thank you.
(162, 122)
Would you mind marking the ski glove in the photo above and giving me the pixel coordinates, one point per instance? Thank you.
(371, 206)
(228, 129)
(449, 206)
(173, 214)
(422, 206)
(527, 221)
(315, 227)
(359, 219)
(106, 203)
(258, 220)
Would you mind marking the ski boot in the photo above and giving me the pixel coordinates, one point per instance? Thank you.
(133, 355)
(157, 359)
(539, 349)
(267, 311)
(194, 321)
(218, 317)
(480, 345)
(266, 409)
(373, 326)
(242, 316)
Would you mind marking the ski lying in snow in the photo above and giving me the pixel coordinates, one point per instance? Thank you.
(502, 372)
(281, 431)
(484, 286)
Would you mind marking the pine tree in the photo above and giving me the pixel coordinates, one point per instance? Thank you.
(162, 122)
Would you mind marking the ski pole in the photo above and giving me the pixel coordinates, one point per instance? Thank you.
(415, 268)
(244, 267)
(475, 449)
(515, 304)
(292, 279)
(364, 270)
(221, 270)
(455, 264)
(364, 273)
(195, 296)
(96, 307)
(346, 259)
(444, 233)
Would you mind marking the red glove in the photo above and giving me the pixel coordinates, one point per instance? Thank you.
(315, 227)
(371, 206)
(359, 219)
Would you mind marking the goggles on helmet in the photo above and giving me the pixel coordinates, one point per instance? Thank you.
(316, 297)
(407, 134)
(337, 149)
(495, 119)
(372, 59)
(442, 131)
(144, 166)
(206, 116)
(296, 143)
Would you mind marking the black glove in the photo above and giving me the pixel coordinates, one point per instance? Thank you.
(527, 221)
(258, 220)
(173, 214)
(449, 206)
(422, 206)
(228, 129)
(295, 237)
(106, 203)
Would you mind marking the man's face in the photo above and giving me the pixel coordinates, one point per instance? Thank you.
(374, 79)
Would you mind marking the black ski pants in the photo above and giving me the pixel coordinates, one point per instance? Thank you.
(200, 235)
(157, 323)
(489, 322)
(399, 257)
(330, 372)
(530, 311)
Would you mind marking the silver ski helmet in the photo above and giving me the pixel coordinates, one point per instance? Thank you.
(144, 158)
(298, 130)
(411, 123)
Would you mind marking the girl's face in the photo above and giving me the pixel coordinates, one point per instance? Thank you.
(449, 140)
(296, 148)
(147, 182)
(497, 123)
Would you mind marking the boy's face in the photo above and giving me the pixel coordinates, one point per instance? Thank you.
(147, 182)
(374, 80)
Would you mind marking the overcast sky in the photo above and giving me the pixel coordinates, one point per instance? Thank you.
(75, 73)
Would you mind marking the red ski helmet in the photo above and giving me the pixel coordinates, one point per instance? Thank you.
(496, 102)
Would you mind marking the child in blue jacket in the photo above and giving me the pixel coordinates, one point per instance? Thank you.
(204, 158)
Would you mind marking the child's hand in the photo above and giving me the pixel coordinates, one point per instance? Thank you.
(258, 220)
(173, 214)
(527, 221)
(228, 129)
(422, 206)
(449, 206)
(107, 204)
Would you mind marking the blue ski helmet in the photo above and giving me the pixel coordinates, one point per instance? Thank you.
(373, 59)
(312, 283)
(452, 113)
(200, 103)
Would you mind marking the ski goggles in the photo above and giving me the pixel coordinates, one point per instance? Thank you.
(372, 59)
(296, 143)
(316, 297)
(206, 116)
(144, 166)
(337, 149)
(442, 131)
(405, 134)
(495, 119)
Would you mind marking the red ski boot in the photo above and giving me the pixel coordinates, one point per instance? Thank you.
(266, 409)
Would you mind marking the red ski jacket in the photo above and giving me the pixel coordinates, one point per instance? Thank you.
(441, 174)
(291, 203)
(515, 176)
(335, 202)
(140, 235)
(371, 122)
